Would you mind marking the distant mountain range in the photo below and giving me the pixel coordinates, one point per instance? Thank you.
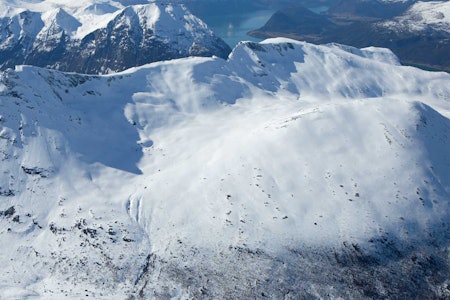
(418, 32)
(102, 37)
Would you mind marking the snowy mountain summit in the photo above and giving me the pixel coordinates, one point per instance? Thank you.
(101, 36)
(287, 171)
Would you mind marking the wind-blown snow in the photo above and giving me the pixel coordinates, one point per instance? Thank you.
(283, 147)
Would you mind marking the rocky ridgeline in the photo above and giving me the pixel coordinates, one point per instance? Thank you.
(133, 36)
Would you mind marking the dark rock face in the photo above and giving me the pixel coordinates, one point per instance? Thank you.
(127, 41)
(348, 272)
(296, 17)
(426, 49)
(293, 20)
(12, 46)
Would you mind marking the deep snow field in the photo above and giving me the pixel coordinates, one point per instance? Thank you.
(289, 171)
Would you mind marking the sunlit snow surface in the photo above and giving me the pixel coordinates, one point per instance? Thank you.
(91, 14)
(101, 37)
(81, 17)
(202, 176)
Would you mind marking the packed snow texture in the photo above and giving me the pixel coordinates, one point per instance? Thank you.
(289, 170)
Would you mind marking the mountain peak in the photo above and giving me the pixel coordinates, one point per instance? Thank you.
(95, 39)
(100, 9)
(59, 18)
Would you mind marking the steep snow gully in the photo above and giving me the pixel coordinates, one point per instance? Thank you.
(287, 171)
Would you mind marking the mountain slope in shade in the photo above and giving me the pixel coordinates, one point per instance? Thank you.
(289, 170)
(101, 39)
(383, 9)
(423, 16)
(418, 33)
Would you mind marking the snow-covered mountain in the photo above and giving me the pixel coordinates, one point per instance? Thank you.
(101, 36)
(417, 32)
(423, 17)
(289, 171)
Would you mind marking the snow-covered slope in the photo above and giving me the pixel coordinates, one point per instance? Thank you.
(289, 170)
(423, 16)
(99, 37)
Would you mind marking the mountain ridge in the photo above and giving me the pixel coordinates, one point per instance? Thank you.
(287, 170)
(113, 42)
